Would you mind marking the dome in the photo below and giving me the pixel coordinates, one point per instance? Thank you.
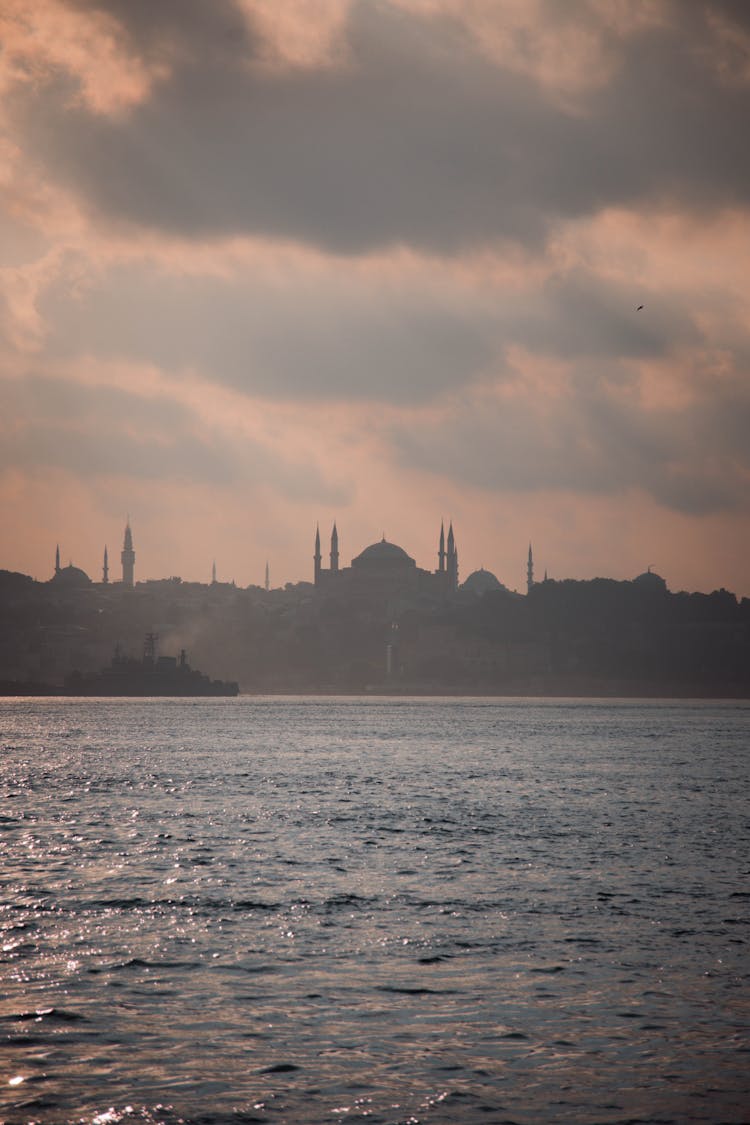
(480, 581)
(649, 580)
(383, 555)
(71, 578)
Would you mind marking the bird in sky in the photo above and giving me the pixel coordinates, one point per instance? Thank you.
(639, 308)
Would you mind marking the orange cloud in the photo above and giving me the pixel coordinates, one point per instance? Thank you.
(567, 57)
(50, 37)
(297, 34)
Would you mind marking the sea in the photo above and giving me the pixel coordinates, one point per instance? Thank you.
(383, 910)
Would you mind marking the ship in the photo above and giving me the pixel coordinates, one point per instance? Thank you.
(153, 675)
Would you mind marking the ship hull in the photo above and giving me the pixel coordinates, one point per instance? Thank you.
(111, 686)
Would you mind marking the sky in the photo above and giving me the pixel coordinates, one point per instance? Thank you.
(266, 264)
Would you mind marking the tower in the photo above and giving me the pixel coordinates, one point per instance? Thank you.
(57, 559)
(334, 549)
(316, 556)
(529, 572)
(213, 573)
(128, 557)
(441, 550)
(452, 559)
(105, 567)
(268, 578)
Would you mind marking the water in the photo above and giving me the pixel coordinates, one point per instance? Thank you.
(386, 911)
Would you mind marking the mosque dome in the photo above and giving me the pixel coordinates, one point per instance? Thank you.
(383, 556)
(649, 580)
(71, 578)
(480, 581)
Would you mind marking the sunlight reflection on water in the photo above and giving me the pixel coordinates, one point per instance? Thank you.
(391, 911)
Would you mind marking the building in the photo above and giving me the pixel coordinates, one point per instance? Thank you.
(128, 557)
(386, 570)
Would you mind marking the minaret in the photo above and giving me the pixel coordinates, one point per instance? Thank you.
(268, 578)
(334, 549)
(57, 559)
(105, 568)
(213, 573)
(128, 557)
(317, 556)
(441, 550)
(529, 572)
(452, 559)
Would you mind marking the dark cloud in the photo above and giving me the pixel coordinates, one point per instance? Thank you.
(186, 29)
(580, 315)
(91, 431)
(328, 339)
(693, 460)
(419, 139)
(347, 337)
(94, 431)
(734, 14)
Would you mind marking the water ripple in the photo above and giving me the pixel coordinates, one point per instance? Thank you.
(365, 910)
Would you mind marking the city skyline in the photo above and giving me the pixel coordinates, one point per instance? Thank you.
(325, 563)
(519, 581)
(387, 265)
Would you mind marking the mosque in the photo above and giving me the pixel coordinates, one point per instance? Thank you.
(385, 569)
(382, 569)
(73, 578)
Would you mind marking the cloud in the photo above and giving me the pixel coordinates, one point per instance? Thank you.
(590, 440)
(94, 431)
(316, 333)
(578, 313)
(301, 256)
(50, 38)
(419, 139)
(383, 330)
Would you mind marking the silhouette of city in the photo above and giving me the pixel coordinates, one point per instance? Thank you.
(381, 624)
